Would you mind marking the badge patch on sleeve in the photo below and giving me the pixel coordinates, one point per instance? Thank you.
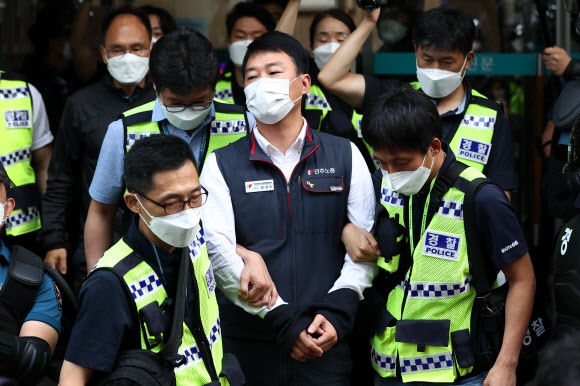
(17, 119)
(473, 150)
(441, 245)
(58, 296)
(210, 281)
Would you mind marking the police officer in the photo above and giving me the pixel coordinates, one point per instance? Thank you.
(424, 334)
(25, 151)
(184, 70)
(30, 307)
(164, 193)
(475, 128)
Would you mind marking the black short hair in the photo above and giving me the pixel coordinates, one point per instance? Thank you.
(276, 41)
(401, 118)
(5, 180)
(168, 23)
(184, 61)
(256, 11)
(334, 13)
(130, 10)
(150, 155)
(444, 28)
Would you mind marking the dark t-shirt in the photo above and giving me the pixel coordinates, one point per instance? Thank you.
(105, 324)
(500, 167)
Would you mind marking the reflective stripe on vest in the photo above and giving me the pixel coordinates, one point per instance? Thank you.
(227, 127)
(223, 89)
(146, 287)
(15, 141)
(316, 100)
(438, 289)
(471, 143)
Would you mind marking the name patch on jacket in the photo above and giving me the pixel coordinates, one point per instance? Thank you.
(17, 119)
(473, 150)
(441, 245)
(259, 186)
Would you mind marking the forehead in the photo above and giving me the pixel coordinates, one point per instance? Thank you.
(438, 53)
(155, 21)
(247, 24)
(331, 25)
(126, 28)
(261, 59)
(183, 178)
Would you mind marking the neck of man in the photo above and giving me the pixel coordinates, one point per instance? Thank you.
(144, 229)
(451, 101)
(283, 133)
(128, 89)
(437, 165)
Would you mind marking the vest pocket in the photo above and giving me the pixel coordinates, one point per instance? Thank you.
(461, 343)
(423, 333)
(321, 197)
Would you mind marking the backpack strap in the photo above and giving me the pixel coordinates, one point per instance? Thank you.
(64, 288)
(19, 291)
(480, 271)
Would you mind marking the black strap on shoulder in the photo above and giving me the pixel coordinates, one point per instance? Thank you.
(13, 76)
(486, 102)
(19, 291)
(478, 268)
(140, 117)
(443, 183)
(313, 118)
(71, 299)
(25, 196)
(230, 108)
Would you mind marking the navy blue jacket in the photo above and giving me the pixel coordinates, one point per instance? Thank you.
(296, 227)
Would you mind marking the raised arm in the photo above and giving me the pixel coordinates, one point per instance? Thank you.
(287, 21)
(335, 75)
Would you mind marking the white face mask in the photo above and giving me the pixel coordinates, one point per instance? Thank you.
(410, 182)
(323, 53)
(128, 69)
(177, 229)
(391, 31)
(187, 119)
(439, 83)
(238, 51)
(268, 99)
(2, 218)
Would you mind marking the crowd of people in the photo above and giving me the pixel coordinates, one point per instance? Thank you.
(282, 221)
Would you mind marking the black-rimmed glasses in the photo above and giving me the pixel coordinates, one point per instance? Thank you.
(196, 201)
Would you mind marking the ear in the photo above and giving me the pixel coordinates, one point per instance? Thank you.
(132, 203)
(436, 146)
(306, 81)
(9, 207)
(469, 60)
(103, 53)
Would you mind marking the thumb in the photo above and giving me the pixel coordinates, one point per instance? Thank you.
(244, 285)
(318, 320)
(62, 264)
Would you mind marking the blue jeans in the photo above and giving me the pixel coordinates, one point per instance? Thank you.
(476, 380)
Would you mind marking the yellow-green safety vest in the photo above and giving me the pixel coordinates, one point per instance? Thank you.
(223, 89)
(16, 132)
(146, 287)
(471, 143)
(228, 126)
(436, 295)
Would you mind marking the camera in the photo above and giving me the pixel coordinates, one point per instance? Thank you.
(369, 5)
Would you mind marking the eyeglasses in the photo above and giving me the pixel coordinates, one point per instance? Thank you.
(196, 201)
(199, 106)
(117, 52)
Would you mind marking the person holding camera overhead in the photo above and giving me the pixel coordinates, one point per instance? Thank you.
(475, 127)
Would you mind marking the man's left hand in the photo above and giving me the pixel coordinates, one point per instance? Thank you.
(327, 336)
(501, 375)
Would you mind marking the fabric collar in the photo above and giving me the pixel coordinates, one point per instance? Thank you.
(462, 106)
(107, 81)
(267, 147)
(142, 246)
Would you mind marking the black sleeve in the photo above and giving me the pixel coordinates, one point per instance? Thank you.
(572, 71)
(104, 324)
(63, 180)
(500, 167)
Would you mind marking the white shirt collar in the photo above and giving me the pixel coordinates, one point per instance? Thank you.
(267, 147)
